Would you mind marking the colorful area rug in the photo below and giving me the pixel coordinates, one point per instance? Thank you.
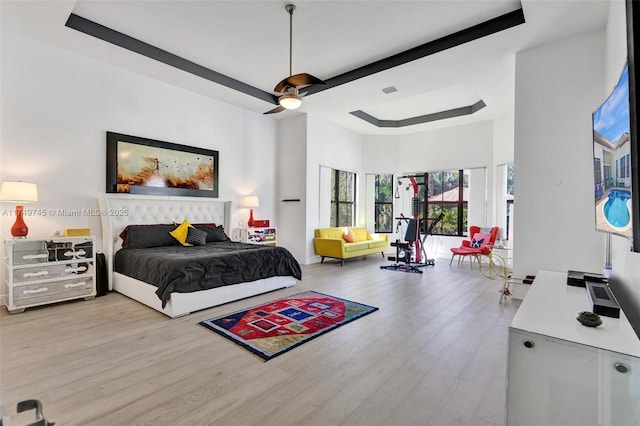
(276, 327)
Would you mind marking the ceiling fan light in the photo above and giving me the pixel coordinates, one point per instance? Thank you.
(289, 101)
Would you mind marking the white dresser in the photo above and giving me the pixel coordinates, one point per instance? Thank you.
(563, 373)
(39, 271)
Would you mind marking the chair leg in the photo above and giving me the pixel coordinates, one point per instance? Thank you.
(341, 262)
(505, 292)
(452, 256)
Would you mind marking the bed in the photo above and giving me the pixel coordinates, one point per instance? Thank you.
(117, 211)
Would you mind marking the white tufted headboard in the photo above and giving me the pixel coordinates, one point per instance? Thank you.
(119, 210)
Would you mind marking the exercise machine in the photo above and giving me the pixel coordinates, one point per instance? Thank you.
(404, 250)
(413, 245)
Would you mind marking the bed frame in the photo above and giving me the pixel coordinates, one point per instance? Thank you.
(118, 211)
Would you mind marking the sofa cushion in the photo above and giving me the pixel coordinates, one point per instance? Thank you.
(348, 236)
(335, 233)
(359, 234)
(352, 247)
(382, 244)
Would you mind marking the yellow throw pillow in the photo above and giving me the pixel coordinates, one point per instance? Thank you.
(181, 232)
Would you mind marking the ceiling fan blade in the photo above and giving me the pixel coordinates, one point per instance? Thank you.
(279, 108)
(297, 80)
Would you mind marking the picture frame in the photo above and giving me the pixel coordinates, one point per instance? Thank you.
(138, 165)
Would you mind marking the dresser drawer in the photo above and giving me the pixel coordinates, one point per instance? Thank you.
(52, 291)
(28, 252)
(46, 272)
(71, 253)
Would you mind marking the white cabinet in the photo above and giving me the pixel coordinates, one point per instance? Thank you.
(39, 271)
(263, 236)
(563, 373)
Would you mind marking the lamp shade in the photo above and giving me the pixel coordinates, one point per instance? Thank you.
(19, 192)
(251, 201)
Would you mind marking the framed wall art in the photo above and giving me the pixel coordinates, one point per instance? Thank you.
(137, 165)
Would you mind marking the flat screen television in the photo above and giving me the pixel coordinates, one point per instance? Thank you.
(625, 281)
(612, 161)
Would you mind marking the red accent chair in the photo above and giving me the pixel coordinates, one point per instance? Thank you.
(467, 249)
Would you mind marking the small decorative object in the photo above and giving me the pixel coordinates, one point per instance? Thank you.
(19, 192)
(251, 201)
(589, 319)
(76, 232)
(261, 223)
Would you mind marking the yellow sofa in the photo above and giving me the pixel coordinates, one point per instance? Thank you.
(330, 242)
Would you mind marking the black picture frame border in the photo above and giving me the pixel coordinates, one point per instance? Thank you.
(112, 167)
(633, 52)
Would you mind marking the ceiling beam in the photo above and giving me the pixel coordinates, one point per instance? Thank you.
(458, 38)
(456, 112)
(127, 42)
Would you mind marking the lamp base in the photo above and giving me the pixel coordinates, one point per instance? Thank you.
(250, 223)
(19, 228)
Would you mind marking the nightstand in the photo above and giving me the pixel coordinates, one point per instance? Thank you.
(39, 271)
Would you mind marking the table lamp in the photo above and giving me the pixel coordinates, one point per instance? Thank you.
(19, 192)
(251, 201)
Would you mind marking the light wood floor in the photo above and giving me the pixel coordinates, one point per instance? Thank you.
(434, 354)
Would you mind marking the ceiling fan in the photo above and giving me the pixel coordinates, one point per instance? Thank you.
(289, 88)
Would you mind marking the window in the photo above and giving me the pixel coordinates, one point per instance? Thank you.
(623, 168)
(597, 167)
(447, 193)
(383, 203)
(343, 198)
(628, 157)
(606, 169)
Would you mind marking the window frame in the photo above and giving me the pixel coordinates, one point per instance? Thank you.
(461, 206)
(336, 202)
(378, 204)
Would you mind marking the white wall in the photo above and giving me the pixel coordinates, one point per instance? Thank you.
(335, 147)
(557, 88)
(57, 106)
(292, 179)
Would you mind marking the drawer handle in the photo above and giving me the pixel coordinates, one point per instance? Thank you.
(35, 256)
(77, 269)
(68, 253)
(528, 344)
(35, 274)
(73, 285)
(81, 252)
(37, 290)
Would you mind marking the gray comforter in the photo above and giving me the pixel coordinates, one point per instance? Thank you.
(187, 269)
